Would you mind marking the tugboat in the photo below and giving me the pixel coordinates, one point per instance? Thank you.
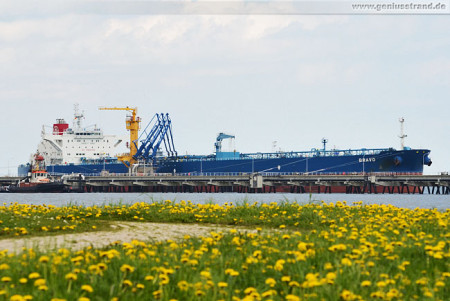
(38, 180)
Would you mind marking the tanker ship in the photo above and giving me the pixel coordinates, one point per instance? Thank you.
(89, 152)
(77, 149)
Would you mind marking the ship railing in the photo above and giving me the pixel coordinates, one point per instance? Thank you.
(282, 155)
(316, 153)
(267, 174)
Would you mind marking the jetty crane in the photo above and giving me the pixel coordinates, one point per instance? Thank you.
(219, 139)
(132, 124)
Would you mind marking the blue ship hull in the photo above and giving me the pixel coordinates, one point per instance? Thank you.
(88, 168)
(85, 169)
(329, 162)
(405, 161)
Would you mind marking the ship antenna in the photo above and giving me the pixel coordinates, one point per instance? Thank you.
(402, 134)
(324, 141)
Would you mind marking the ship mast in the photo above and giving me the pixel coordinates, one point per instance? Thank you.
(402, 134)
(324, 141)
(77, 117)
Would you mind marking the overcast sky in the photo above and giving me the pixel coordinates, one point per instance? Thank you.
(290, 79)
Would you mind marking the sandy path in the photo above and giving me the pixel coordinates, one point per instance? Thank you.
(124, 232)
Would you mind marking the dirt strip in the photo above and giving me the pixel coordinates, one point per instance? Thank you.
(123, 232)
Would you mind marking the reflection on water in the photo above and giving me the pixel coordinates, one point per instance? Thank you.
(440, 202)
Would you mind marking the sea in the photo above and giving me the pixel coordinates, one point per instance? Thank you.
(425, 201)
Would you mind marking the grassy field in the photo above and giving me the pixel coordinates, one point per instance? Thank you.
(299, 252)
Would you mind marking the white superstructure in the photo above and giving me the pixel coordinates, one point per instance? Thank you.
(77, 144)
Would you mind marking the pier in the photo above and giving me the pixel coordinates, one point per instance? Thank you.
(265, 183)
(258, 183)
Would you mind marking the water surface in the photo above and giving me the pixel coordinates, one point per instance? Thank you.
(440, 202)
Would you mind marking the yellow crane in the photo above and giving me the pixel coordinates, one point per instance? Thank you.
(132, 123)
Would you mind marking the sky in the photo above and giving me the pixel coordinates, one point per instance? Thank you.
(293, 79)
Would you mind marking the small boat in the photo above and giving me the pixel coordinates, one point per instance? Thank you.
(38, 180)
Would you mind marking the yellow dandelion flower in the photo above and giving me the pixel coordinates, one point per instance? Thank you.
(183, 285)
(302, 246)
(39, 282)
(222, 284)
(205, 274)
(294, 283)
(292, 298)
(231, 272)
(440, 284)
(127, 268)
(87, 288)
(331, 276)
(71, 276)
(366, 283)
(102, 266)
(23, 280)
(422, 281)
(286, 278)
(346, 261)
(271, 282)
(428, 294)
(199, 293)
(381, 283)
(157, 294)
(269, 293)
(163, 279)
(4, 266)
(127, 283)
(44, 259)
(279, 265)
